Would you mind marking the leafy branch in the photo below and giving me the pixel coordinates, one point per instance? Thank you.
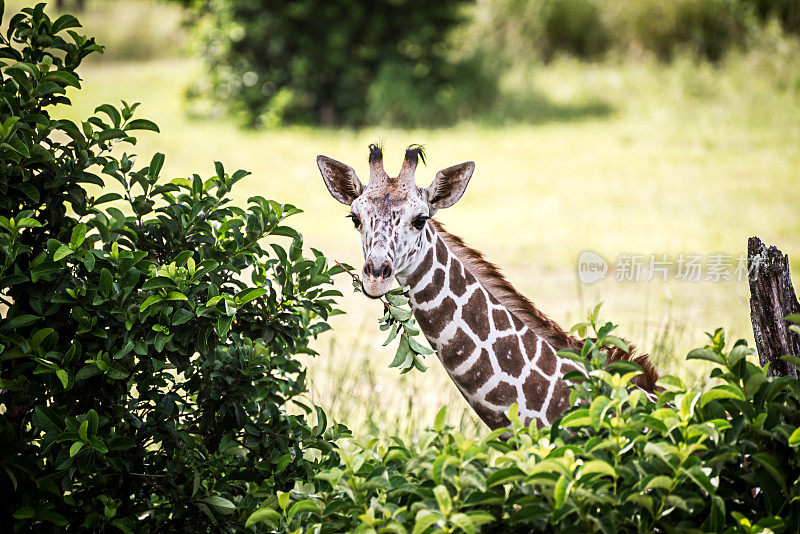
(397, 319)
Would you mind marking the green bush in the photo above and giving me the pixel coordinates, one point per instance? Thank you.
(723, 460)
(706, 28)
(786, 11)
(147, 335)
(588, 29)
(315, 61)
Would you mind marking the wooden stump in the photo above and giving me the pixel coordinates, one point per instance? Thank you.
(772, 298)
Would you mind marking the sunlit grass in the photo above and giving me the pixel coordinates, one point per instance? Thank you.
(686, 158)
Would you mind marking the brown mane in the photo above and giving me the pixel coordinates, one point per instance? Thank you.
(494, 282)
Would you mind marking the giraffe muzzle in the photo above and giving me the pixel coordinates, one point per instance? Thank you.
(384, 271)
(377, 279)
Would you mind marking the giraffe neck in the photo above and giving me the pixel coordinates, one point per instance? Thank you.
(475, 324)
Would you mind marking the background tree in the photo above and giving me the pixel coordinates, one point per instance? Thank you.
(147, 336)
(313, 61)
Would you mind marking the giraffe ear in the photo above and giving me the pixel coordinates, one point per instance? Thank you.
(340, 179)
(449, 185)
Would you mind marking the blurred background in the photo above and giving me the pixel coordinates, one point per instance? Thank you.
(666, 127)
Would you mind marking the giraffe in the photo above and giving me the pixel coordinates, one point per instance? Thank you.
(496, 346)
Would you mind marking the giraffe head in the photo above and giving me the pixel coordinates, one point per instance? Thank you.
(391, 214)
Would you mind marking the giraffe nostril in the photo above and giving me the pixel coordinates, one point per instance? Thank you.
(386, 270)
(368, 268)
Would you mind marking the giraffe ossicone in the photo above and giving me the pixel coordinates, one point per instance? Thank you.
(497, 347)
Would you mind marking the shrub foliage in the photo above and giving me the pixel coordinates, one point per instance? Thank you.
(315, 61)
(148, 334)
(723, 460)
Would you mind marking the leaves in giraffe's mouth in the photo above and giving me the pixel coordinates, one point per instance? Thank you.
(398, 319)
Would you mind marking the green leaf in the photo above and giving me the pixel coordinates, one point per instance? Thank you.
(76, 448)
(463, 522)
(303, 506)
(78, 236)
(443, 499)
(699, 478)
(416, 347)
(62, 78)
(224, 324)
(110, 134)
(62, 252)
(579, 417)
(156, 163)
(441, 416)
(141, 124)
(248, 295)
(671, 383)
(264, 515)
(402, 352)
(424, 520)
(504, 476)
(63, 376)
(52, 517)
(63, 22)
(598, 410)
(598, 466)
(772, 466)
(149, 301)
(27, 222)
(220, 504)
(400, 314)
(705, 354)
(724, 391)
(794, 439)
(47, 419)
(283, 500)
(26, 512)
(106, 283)
(479, 517)
(560, 491)
(659, 482)
(618, 343)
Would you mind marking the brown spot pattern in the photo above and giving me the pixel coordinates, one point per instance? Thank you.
(476, 315)
(441, 252)
(430, 291)
(503, 395)
(423, 268)
(457, 350)
(506, 350)
(458, 282)
(517, 323)
(500, 318)
(492, 418)
(477, 375)
(547, 360)
(432, 322)
(535, 390)
(559, 401)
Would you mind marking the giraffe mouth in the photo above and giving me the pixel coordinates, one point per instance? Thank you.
(373, 297)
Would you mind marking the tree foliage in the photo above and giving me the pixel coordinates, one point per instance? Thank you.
(314, 61)
(723, 460)
(148, 333)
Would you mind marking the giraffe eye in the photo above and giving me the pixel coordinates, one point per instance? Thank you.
(419, 221)
(356, 219)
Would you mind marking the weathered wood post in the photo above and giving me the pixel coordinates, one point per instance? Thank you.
(772, 298)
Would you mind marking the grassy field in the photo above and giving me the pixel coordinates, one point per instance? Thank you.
(621, 157)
